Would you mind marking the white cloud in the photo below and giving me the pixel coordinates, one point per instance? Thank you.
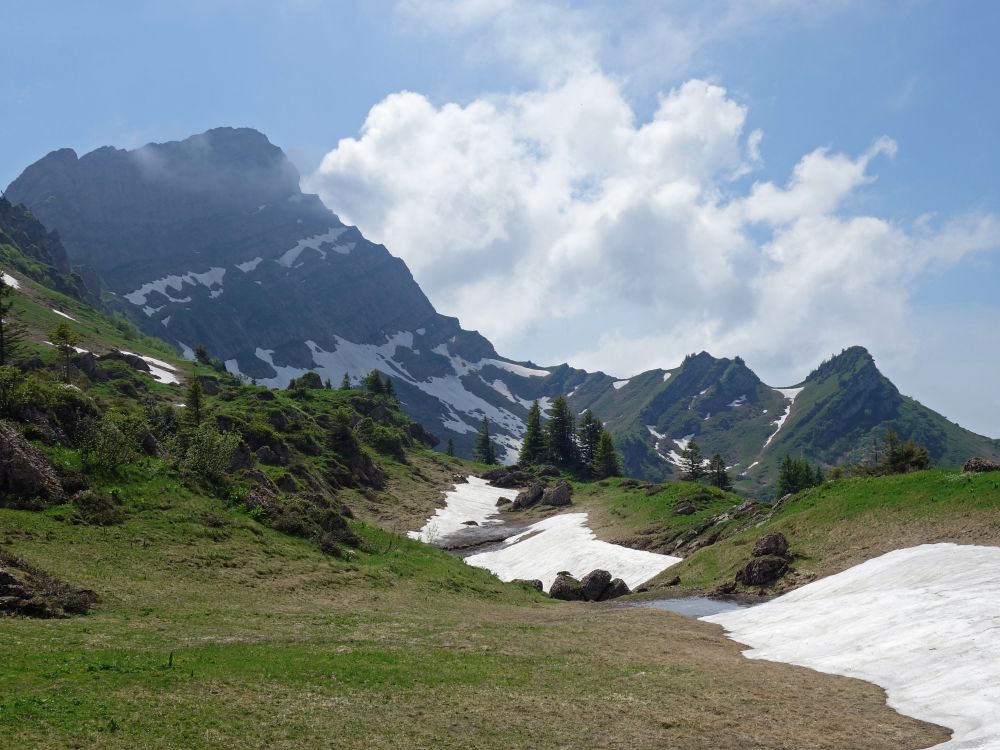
(631, 243)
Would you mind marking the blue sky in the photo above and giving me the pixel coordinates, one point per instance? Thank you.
(833, 75)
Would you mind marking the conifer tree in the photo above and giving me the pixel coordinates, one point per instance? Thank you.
(11, 332)
(193, 402)
(65, 340)
(450, 448)
(345, 383)
(485, 453)
(388, 388)
(717, 473)
(201, 354)
(692, 462)
(588, 435)
(533, 445)
(605, 463)
(372, 382)
(560, 433)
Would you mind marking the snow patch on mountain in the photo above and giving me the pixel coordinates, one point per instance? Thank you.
(666, 376)
(64, 315)
(474, 500)
(11, 281)
(210, 278)
(249, 265)
(619, 384)
(315, 242)
(654, 433)
(737, 402)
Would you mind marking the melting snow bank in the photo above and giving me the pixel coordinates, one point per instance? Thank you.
(565, 542)
(923, 623)
(10, 280)
(475, 501)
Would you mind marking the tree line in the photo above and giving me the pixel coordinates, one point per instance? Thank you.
(562, 440)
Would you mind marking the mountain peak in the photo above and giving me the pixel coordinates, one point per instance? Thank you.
(852, 359)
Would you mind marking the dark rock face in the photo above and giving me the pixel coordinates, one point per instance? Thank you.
(616, 588)
(559, 495)
(685, 509)
(533, 583)
(774, 544)
(529, 497)
(567, 588)
(267, 456)
(87, 364)
(762, 570)
(131, 360)
(27, 478)
(507, 477)
(981, 464)
(29, 592)
(594, 584)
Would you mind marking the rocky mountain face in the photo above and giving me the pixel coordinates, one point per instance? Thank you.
(27, 246)
(210, 240)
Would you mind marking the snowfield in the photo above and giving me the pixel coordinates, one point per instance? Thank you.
(475, 501)
(923, 623)
(10, 280)
(564, 542)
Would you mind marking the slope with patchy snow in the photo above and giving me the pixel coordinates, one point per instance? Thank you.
(922, 622)
(473, 501)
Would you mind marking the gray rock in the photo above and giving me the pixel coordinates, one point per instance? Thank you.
(616, 588)
(567, 588)
(762, 570)
(774, 543)
(527, 498)
(267, 456)
(684, 509)
(594, 583)
(559, 495)
(981, 464)
(27, 478)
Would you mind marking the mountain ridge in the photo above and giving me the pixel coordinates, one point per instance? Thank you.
(210, 240)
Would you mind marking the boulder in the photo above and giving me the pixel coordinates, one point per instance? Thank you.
(774, 544)
(533, 583)
(503, 502)
(267, 456)
(547, 470)
(209, 385)
(567, 588)
(527, 498)
(459, 479)
(27, 478)
(470, 523)
(508, 477)
(762, 570)
(136, 363)
(616, 588)
(594, 583)
(981, 464)
(684, 509)
(241, 458)
(675, 581)
(87, 363)
(150, 445)
(559, 495)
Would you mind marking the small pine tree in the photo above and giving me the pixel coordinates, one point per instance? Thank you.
(533, 445)
(717, 473)
(588, 435)
(65, 340)
(485, 453)
(11, 332)
(193, 402)
(345, 383)
(795, 475)
(389, 389)
(201, 354)
(560, 433)
(692, 462)
(605, 462)
(372, 382)
(328, 385)
(450, 448)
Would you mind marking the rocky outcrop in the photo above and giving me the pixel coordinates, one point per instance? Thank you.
(762, 570)
(559, 495)
(616, 588)
(508, 477)
(774, 544)
(567, 588)
(29, 592)
(980, 465)
(27, 478)
(594, 584)
(529, 497)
